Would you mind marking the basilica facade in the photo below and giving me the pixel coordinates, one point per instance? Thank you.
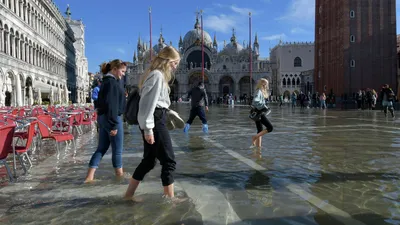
(38, 59)
(226, 71)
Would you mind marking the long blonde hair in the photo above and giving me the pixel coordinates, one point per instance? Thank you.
(265, 91)
(161, 62)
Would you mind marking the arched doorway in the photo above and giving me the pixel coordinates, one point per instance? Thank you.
(194, 60)
(226, 85)
(196, 77)
(10, 91)
(286, 96)
(244, 86)
(28, 92)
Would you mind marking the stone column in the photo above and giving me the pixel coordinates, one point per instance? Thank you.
(237, 90)
(7, 41)
(22, 46)
(1, 39)
(12, 45)
(18, 91)
(17, 7)
(16, 46)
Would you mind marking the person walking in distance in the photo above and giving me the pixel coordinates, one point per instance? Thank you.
(199, 105)
(110, 107)
(387, 97)
(259, 103)
(152, 115)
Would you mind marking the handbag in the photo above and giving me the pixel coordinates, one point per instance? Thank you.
(255, 114)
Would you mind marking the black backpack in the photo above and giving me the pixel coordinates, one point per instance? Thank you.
(132, 107)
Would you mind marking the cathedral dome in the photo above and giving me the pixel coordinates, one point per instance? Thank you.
(232, 48)
(194, 36)
(157, 48)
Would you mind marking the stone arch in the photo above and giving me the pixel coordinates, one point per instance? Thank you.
(298, 81)
(286, 95)
(293, 82)
(193, 58)
(244, 85)
(10, 90)
(284, 82)
(226, 85)
(195, 77)
(297, 62)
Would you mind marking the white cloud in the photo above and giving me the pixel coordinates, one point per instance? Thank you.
(233, 17)
(298, 30)
(300, 11)
(120, 50)
(274, 37)
(222, 23)
(242, 11)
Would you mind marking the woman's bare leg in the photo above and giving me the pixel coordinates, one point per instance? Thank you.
(133, 184)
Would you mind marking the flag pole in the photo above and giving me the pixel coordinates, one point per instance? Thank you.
(202, 46)
(151, 45)
(251, 58)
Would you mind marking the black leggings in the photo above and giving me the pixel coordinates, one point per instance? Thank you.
(161, 149)
(264, 121)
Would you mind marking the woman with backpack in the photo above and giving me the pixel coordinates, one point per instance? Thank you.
(110, 107)
(152, 115)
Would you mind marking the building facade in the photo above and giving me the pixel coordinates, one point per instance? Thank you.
(355, 45)
(227, 71)
(288, 62)
(81, 88)
(37, 55)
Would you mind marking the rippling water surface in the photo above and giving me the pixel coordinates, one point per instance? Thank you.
(318, 167)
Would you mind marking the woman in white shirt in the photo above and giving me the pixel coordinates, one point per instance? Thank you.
(259, 103)
(152, 115)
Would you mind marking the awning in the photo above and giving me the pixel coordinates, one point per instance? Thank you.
(44, 88)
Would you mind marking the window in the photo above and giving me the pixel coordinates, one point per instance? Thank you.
(352, 14)
(320, 30)
(352, 63)
(224, 67)
(297, 62)
(352, 38)
(320, 52)
(320, 9)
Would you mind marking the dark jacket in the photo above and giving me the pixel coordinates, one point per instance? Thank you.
(389, 94)
(111, 100)
(198, 96)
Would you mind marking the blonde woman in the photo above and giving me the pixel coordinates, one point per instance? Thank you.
(259, 103)
(152, 115)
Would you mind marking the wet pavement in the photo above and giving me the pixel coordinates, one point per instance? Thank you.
(316, 167)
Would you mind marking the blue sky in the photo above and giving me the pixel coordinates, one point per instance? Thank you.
(113, 27)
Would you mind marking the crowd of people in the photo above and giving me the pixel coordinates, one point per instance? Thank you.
(110, 101)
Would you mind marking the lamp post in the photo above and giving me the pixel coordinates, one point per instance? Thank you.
(251, 58)
(151, 46)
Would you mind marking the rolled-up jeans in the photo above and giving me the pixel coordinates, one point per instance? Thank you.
(105, 139)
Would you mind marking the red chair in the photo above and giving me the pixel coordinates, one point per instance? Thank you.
(45, 123)
(22, 151)
(6, 140)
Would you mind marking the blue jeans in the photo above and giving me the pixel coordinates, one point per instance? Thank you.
(117, 143)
